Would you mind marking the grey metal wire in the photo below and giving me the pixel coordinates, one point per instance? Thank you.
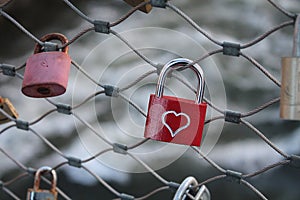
(262, 69)
(127, 149)
(192, 23)
(277, 6)
(133, 49)
(156, 175)
(79, 12)
(104, 183)
(17, 24)
(10, 193)
(263, 137)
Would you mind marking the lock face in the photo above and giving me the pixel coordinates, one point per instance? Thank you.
(36, 193)
(8, 107)
(46, 73)
(176, 120)
(290, 89)
(147, 8)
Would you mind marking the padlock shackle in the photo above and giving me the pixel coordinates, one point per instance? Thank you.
(181, 63)
(296, 42)
(52, 36)
(184, 187)
(37, 178)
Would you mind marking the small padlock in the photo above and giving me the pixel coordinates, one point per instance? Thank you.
(189, 185)
(176, 120)
(46, 73)
(146, 8)
(7, 107)
(290, 81)
(36, 193)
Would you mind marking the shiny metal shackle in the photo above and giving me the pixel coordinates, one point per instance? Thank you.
(296, 42)
(184, 187)
(37, 178)
(181, 63)
(203, 193)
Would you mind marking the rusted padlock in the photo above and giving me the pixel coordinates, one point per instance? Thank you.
(174, 119)
(290, 81)
(7, 107)
(46, 73)
(189, 185)
(146, 8)
(36, 193)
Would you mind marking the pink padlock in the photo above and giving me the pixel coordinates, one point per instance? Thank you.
(46, 73)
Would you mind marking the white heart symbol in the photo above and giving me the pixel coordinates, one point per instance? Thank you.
(163, 119)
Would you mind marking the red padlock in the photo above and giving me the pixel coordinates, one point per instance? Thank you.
(46, 73)
(173, 119)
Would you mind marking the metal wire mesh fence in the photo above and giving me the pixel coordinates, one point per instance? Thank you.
(15, 73)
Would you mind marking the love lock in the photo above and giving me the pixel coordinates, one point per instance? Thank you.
(46, 73)
(172, 119)
(7, 107)
(188, 186)
(36, 193)
(290, 81)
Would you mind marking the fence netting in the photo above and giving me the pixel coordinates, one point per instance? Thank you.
(232, 49)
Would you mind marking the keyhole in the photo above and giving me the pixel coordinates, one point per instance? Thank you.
(44, 63)
(43, 90)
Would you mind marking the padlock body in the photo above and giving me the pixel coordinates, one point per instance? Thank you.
(7, 106)
(290, 89)
(41, 195)
(175, 120)
(46, 74)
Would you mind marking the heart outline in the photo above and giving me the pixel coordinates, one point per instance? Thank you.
(163, 119)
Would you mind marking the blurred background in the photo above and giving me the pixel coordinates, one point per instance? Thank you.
(161, 36)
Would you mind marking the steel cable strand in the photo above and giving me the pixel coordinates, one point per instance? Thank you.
(87, 99)
(129, 13)
(134, 49)
(48, 143)
(264, 138)
(104, 183)
(42, 117)
(10, 193)
(19, 164)
(265, 35)
(192, 23)
(24, 30)
(262, 69)
(278, 7)
(251, 187)
(267, 168)
(156, 175)
(211, 162)
(92, 129)
(260, 108)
